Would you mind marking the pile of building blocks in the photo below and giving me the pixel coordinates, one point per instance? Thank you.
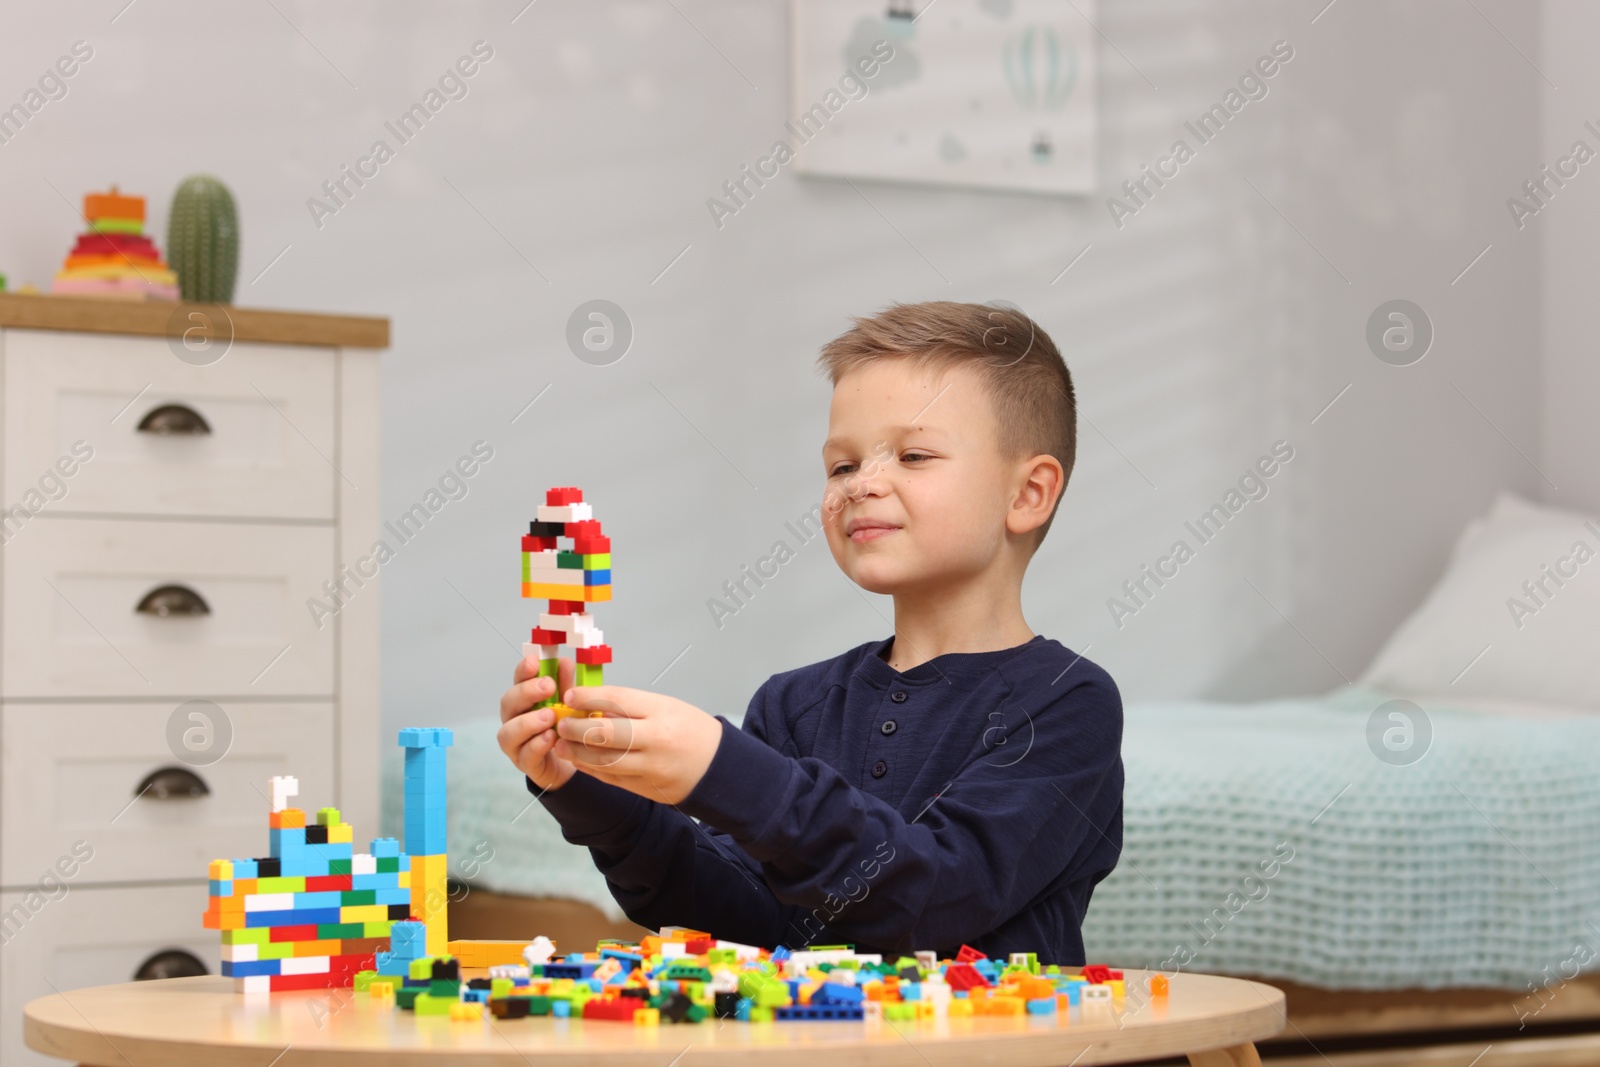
(570, 580)
(114, 258)
(312, 914)
(687, 976)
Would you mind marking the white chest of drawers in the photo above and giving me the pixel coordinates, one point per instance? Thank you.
(167, 510)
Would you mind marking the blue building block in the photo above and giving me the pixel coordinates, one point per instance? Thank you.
(244, 869)
(304, 865)
(836, 993)
(1042, 1006)
(819, 1011)
(561, 1009)
(292, 917)
(427, 737)
(247, 968)
(220, 889)
(382, 848)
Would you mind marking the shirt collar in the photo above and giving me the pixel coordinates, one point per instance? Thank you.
(876, 672)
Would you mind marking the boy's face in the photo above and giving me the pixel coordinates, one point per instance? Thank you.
(917, 491)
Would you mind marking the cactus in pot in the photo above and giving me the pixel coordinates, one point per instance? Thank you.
(203, 240)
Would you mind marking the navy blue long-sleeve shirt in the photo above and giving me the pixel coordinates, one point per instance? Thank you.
(976, 798)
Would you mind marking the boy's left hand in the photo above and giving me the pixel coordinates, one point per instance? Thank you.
(653, 745)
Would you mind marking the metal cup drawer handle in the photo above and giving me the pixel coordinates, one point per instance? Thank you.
(174, 420)
(170, 963)
(172, 783)
(173, 600)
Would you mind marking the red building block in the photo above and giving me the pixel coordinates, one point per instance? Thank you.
(964, 976)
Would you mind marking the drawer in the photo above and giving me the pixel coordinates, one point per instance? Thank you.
(74, 587)
(268, 409)
(71, 772)
(90, 937)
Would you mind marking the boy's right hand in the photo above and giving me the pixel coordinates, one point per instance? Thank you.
(526, 736)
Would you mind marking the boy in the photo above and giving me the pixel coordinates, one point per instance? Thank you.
(957, 782)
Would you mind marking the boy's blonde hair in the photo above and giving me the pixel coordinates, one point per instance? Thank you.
(1015, 360)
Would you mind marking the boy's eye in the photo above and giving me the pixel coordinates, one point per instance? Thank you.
(840, 469)
(911, 457)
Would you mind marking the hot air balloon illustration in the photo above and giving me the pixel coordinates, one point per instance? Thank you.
(1041, 72)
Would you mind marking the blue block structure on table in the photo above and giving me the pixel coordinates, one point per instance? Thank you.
(425, 831)
(570, 580)
(313, 913)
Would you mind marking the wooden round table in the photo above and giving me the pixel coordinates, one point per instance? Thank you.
(202, 1022)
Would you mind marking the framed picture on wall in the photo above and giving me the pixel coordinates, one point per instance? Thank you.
(993, 94)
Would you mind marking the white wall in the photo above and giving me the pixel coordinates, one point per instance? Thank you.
(1570, 263)
(1412, 124)
(1199, 333)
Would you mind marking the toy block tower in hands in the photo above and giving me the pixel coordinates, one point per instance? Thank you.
(570, 580)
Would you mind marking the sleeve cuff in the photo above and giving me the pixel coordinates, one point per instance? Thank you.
(737, 793)
(588, 809)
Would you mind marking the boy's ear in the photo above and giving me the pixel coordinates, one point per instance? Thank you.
(1042, 482)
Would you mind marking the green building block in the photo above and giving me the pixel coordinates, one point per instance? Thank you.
(429, 1004)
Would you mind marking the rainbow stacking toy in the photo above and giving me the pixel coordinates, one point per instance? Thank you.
(115, 258)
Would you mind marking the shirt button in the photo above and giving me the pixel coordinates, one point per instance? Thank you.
(888, 727)
(880, 769)
(898, 696)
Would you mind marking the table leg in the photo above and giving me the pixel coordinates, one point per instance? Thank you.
(1238, 1056)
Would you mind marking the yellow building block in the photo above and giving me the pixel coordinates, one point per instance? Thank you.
(430, 899)
(555, 591)
(487, 953)
(364, 913)
(220, 871)
(331, 947)
(462, 1011)
(647, 1016)
(342, 834)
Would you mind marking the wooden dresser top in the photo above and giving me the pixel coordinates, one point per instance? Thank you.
(161, 319)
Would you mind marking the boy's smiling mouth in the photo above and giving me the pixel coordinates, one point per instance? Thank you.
(863, 530)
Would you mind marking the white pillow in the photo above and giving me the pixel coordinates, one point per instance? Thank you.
(1539, 641)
